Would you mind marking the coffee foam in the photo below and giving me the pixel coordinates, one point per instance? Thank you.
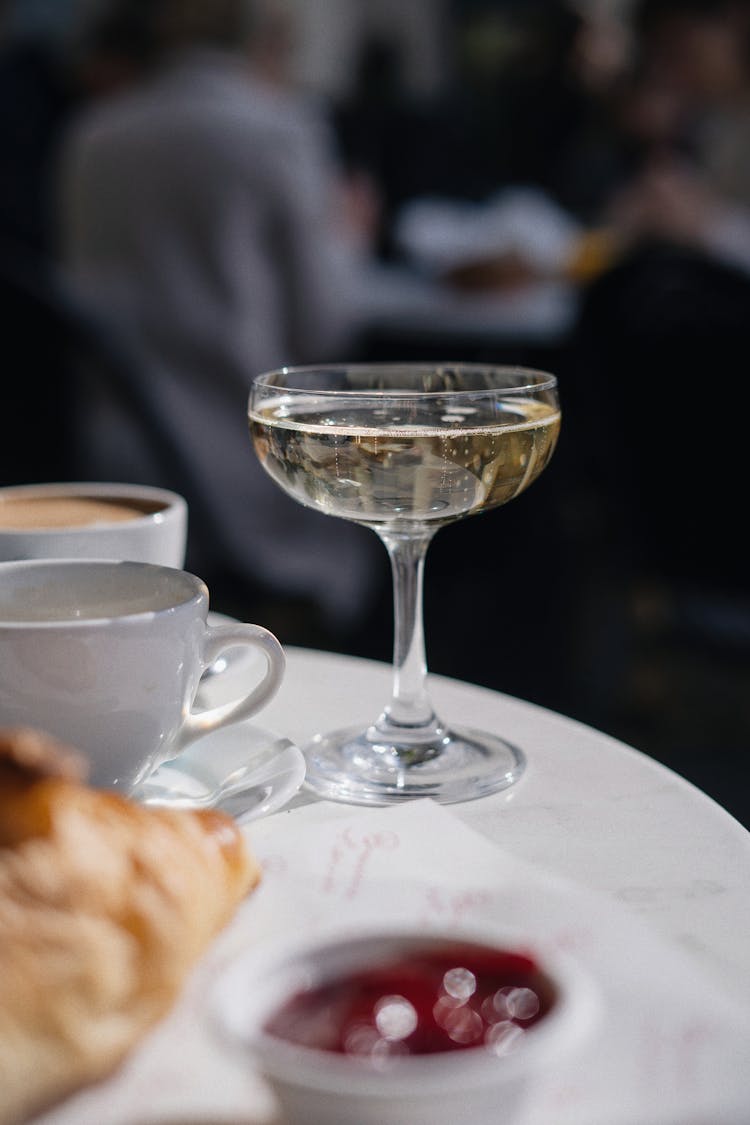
(49, 513)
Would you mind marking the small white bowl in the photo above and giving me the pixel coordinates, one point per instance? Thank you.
(319, 1087)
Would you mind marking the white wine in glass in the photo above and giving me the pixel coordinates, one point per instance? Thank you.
(405, 449)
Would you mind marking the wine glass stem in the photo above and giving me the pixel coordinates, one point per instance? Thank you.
(410, 705)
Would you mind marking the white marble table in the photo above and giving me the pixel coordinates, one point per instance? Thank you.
(588, 807)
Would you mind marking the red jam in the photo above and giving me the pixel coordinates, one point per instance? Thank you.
(444, 998)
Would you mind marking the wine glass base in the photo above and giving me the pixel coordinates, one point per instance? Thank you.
(354, 766)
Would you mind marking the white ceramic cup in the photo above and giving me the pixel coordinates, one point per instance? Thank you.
(93, 521)
(316, 1087)
(107, 656)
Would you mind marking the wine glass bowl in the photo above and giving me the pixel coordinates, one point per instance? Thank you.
(405, 449)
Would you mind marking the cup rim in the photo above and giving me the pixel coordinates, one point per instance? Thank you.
(196, 592)
(277, 973)
(172, 501)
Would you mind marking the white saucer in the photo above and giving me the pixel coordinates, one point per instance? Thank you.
(242, 769)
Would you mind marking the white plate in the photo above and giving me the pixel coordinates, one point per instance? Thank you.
(242, 769)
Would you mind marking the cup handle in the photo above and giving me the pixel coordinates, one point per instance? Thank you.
(216, 639)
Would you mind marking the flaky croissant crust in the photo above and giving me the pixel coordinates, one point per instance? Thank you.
(105, 906)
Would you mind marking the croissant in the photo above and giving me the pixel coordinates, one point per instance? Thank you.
(105, 906)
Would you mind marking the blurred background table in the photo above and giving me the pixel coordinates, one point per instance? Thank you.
(588, 807)
(405, 314)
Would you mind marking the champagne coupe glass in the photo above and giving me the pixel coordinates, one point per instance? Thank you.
(405, 449)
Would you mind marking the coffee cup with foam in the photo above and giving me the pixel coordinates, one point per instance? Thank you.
(93, 521)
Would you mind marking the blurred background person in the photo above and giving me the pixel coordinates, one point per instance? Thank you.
(679, 297)
(658, 401)
(199, 214)
(694, 68)
(634, 132)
